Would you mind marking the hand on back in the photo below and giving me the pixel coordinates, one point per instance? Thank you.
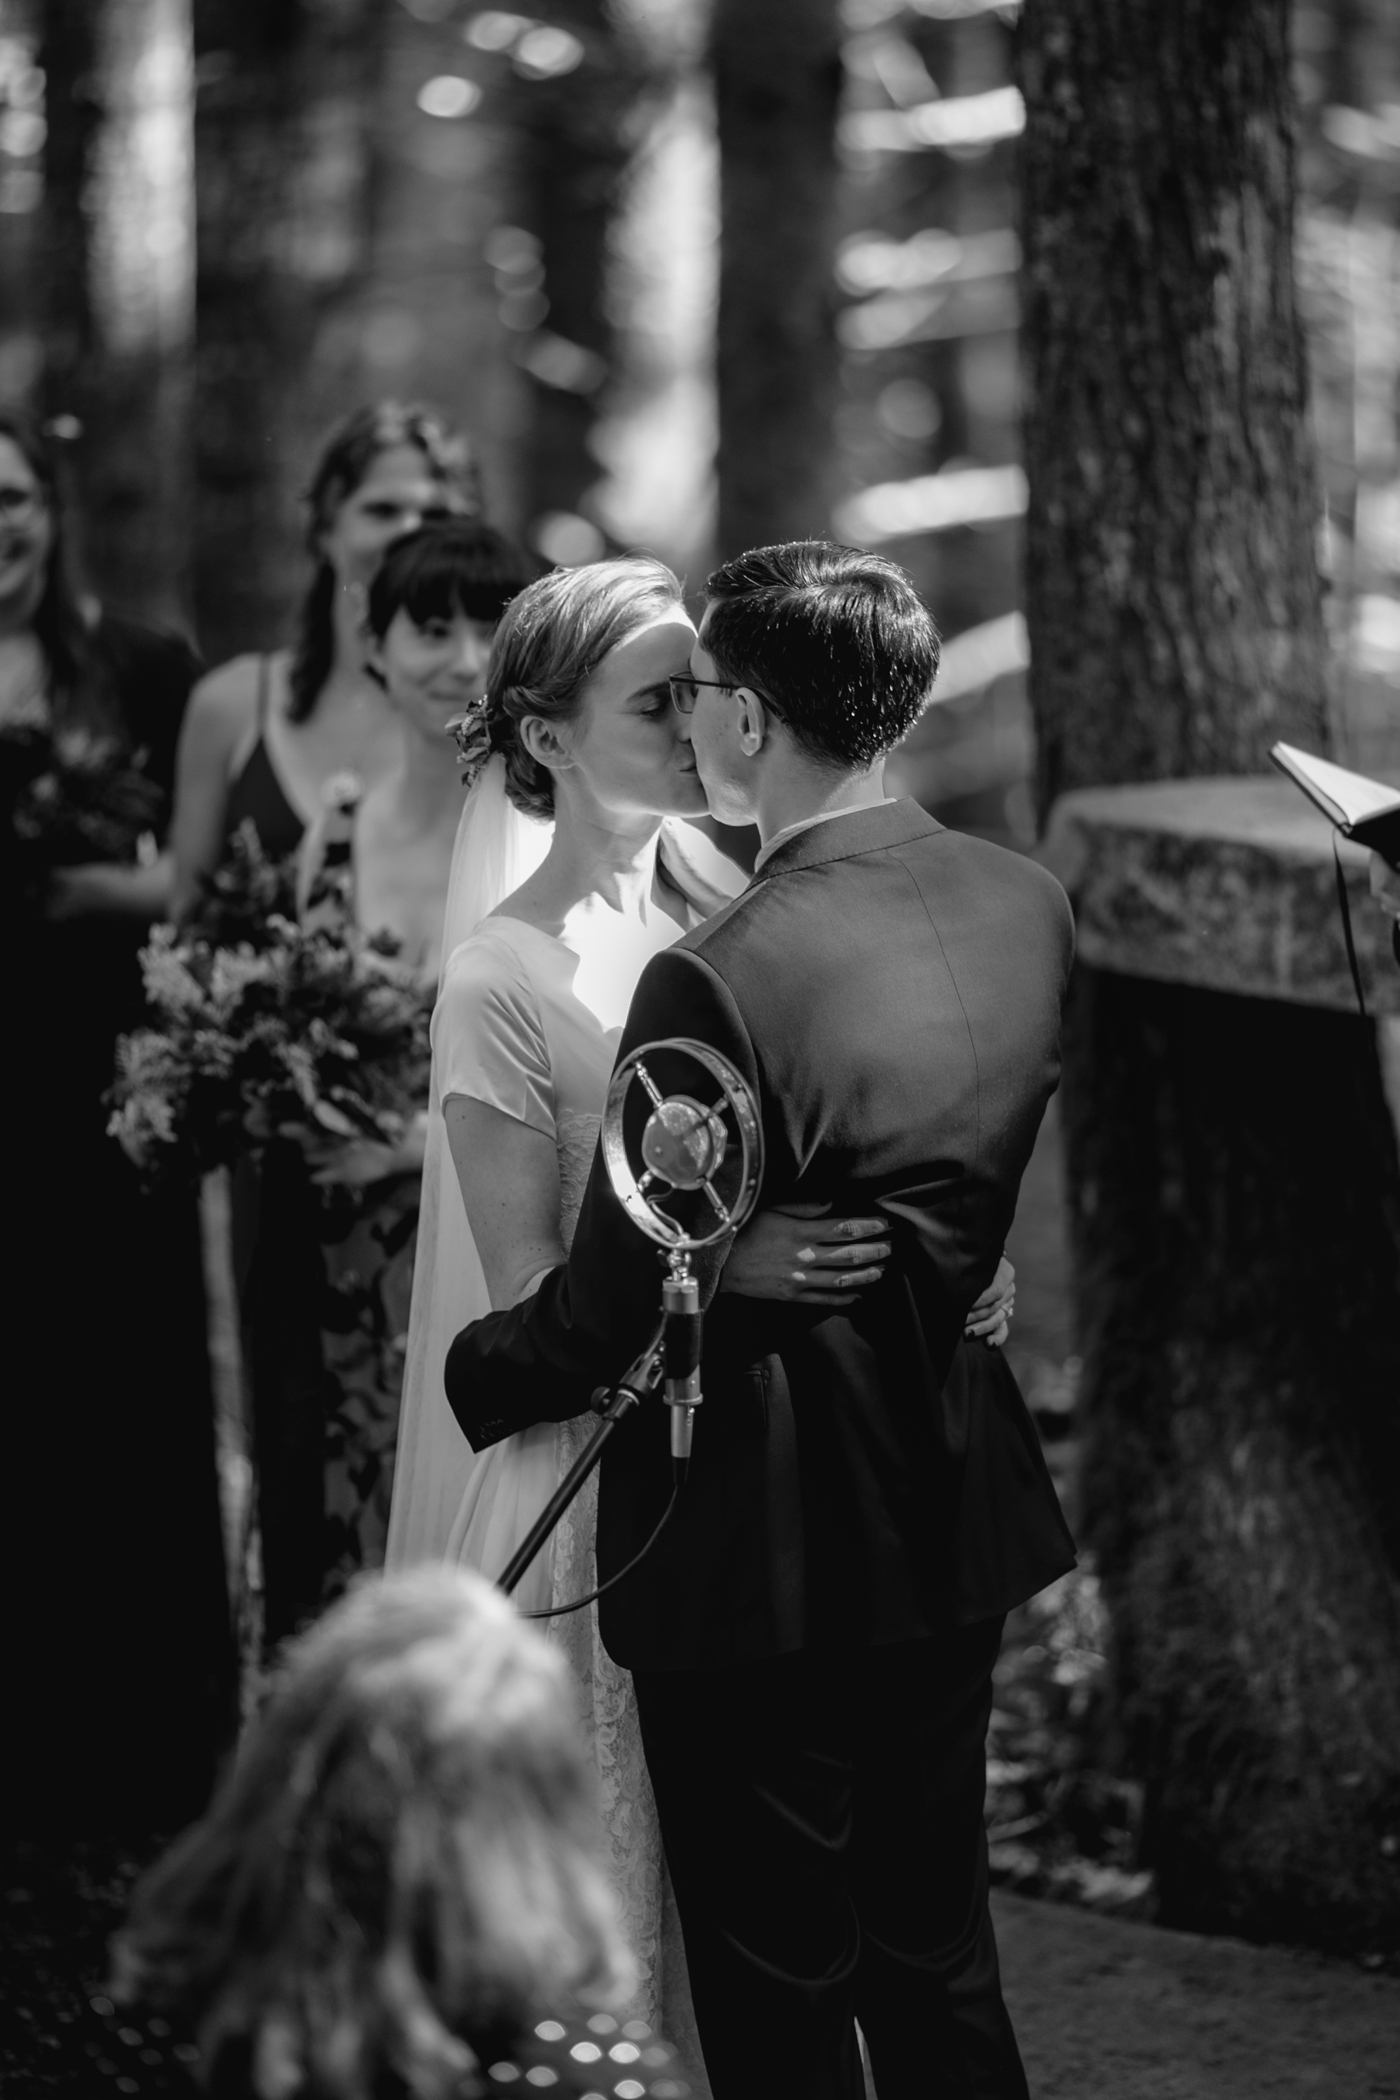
(798, 1254)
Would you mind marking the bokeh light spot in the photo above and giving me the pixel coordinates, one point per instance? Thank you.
(448, 95)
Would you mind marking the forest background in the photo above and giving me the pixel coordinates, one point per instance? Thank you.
(224, 223)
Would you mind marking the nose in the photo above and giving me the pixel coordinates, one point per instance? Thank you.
(473, 653)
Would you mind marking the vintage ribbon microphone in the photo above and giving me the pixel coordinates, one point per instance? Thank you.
(684, 1151)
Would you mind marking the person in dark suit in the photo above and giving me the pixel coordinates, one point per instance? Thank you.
(812, 1637)
(1385, 887)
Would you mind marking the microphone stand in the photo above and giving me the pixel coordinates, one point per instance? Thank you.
(637, 1384)
(683, 1146)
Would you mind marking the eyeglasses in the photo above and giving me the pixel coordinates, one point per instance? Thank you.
(685, 690)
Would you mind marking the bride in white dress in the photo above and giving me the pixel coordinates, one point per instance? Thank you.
(546, 938)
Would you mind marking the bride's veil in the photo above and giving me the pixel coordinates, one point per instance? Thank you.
(496, 849)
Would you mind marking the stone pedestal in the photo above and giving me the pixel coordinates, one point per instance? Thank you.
(1235, 1215)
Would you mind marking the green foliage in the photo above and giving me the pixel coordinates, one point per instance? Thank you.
(244, 895)
(73, 797)
(315, 1032)
(1060, 1822)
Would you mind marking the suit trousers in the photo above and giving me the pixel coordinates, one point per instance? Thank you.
(822, 1815)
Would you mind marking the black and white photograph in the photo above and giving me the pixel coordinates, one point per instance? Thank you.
(700, 863)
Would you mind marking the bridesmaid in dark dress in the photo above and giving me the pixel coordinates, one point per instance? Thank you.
(262, 737)
(119, 1658)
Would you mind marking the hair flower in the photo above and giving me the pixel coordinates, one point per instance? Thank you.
(472, 730)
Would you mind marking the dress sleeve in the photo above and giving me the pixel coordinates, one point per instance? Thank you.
(488, 1038)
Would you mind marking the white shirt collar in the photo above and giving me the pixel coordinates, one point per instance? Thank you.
(826, 816)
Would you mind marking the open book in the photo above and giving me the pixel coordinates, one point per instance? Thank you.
(1365, 810)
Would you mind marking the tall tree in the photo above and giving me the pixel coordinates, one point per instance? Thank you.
(1235, 1192)
(1172, 590)
(576, 133)
(119, 284)
(284, 144)
(777, 72)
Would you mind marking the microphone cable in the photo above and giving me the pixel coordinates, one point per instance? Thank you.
(557, 1611)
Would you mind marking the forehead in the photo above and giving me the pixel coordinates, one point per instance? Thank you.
(397, 469)
(700, 657)
(444, 615)
(646, 657)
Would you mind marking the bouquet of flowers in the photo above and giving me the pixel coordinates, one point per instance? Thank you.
(246, 895)
(74, 796)
(320, 1033)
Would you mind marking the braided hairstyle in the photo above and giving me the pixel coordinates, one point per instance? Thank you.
(552, 639)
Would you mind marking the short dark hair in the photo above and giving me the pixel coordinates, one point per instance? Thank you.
(440, 570)
(837, 639)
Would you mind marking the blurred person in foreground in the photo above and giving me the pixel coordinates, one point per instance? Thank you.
(111, 1555)
(397, 1889)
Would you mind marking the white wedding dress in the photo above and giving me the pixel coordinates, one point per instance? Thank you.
(530, 1024)
(514, 1031)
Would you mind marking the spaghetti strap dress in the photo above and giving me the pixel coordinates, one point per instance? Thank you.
(256, 795)
(280, 1278)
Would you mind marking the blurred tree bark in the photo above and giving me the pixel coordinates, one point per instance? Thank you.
(1235, 1192)
(576, 137)
(284, 152)
(118, 292)
(777, 71)
(1173, 597)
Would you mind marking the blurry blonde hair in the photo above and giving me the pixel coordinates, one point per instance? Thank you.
(403, 1858)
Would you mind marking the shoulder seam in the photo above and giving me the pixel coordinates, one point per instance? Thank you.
(897, 853)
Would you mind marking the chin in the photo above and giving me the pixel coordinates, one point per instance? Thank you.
(688, 801)
(724, 808)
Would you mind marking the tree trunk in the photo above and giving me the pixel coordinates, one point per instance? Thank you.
(576, 138)
(777, 69)
(1235, 1193)
(284, 145)
(119, 244)
(1173, 599)
(1236, 1229)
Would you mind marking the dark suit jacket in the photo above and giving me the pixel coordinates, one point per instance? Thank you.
(891, 990)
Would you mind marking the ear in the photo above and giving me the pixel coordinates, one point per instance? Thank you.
(753, 721)
(546, 742)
